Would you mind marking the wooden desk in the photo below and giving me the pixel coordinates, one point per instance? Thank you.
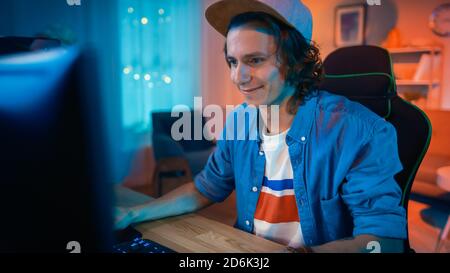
(194, 233)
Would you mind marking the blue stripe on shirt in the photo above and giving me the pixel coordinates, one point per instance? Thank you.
(278, 185)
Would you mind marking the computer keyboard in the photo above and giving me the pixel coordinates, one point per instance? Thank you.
(130, 240)
(139, 245)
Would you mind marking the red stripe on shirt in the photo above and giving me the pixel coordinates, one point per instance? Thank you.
(274, 209)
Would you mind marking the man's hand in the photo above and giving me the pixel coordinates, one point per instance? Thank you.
(361, 244)
(122, 218)
(302, 249)
(358, 244)
(184, 199)
(288, 249)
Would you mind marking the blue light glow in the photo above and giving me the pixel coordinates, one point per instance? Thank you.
(27, 79)
(165, 55)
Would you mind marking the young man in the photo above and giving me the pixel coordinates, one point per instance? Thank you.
(320, 181)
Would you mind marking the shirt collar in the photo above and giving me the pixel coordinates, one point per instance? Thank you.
(301, 125)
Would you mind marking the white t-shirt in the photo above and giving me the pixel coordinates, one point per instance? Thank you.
(276, 215)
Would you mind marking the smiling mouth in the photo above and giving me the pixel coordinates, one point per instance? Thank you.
(251, 90)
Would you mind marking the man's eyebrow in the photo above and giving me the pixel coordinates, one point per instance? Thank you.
(250, 55)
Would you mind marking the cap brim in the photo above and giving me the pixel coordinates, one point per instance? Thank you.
(219, 14)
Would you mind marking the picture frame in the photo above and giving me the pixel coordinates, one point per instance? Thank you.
(350, 24)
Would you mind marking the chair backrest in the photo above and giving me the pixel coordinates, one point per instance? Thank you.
(162, 126)
(364, 74)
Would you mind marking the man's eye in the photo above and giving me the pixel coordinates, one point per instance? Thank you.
(256, 60)
(232, 62)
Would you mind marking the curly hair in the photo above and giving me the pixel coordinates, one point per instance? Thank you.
(300, 57)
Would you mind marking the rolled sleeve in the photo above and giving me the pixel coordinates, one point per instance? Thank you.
(371, 193)
(216, 180)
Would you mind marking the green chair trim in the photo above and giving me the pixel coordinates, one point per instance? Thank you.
(422, 155)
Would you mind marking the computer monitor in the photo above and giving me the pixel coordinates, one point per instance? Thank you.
(55, 177)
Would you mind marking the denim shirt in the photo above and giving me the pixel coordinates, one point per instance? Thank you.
(344, 158)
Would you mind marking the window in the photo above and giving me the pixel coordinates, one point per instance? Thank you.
(160, 44)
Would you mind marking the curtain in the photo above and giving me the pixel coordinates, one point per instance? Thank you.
(160, 42)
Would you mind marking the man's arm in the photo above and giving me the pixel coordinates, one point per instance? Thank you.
(360, 244)
(373, 196)
(184, 199)
(216, 180)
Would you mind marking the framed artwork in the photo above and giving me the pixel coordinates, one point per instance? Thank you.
(350, 25)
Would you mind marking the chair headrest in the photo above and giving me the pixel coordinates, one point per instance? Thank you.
(363, 74)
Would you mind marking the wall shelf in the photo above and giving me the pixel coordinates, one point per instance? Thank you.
(414, 50)
(418, 73)
(416, 83)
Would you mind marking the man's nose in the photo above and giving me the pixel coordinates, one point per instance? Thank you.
(242, 74)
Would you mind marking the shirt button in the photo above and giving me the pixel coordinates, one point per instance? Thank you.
(303, 138)
(261, 153)
(254, 189)
(247, 222)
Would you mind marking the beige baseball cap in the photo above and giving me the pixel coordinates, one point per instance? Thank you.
(291, 12)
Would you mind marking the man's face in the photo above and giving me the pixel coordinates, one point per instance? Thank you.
(254, 65)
